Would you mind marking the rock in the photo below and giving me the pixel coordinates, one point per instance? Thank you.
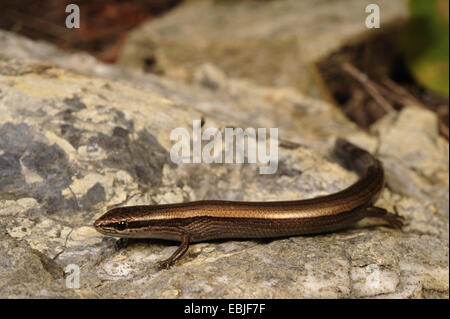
(236, 102)
(416, 159)
(273, 43)
(73, 144)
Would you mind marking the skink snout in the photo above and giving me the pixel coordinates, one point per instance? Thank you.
(98, 223)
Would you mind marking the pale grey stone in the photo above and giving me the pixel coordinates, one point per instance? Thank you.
(73, 144)
(272, 43)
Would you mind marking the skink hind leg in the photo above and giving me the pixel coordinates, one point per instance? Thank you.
(181, 250)
(394, 220)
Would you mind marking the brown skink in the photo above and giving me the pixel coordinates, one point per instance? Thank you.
(217, 219)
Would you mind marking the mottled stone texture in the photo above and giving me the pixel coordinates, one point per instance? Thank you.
(76, 142)
(273, 43)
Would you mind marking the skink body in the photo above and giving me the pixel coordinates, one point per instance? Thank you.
(217, 219)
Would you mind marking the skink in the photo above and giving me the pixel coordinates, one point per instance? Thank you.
(217, 219)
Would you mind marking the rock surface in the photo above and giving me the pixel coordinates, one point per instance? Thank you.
(273, 43)
(74, 143)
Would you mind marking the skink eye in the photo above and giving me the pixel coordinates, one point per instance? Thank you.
(120, 225)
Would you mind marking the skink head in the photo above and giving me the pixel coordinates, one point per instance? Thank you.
(112, 223)
(136, 222)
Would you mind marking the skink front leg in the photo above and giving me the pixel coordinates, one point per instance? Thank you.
(181, 250)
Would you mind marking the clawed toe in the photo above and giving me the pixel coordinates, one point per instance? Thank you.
(396, 221)
(165, 264)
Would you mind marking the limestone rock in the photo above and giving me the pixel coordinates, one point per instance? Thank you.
(73, 144)
(273, 43)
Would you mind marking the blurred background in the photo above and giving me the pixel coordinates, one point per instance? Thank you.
(103, 23)
(405, 63)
